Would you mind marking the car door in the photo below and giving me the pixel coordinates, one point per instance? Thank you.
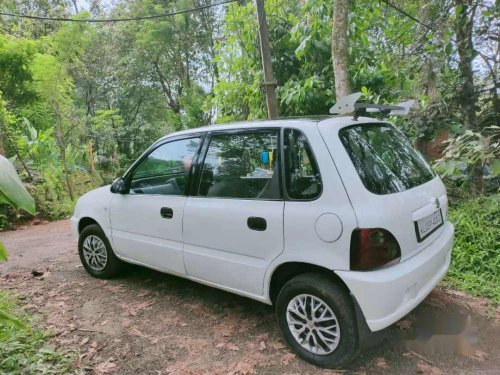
(233, 226)
(146, 223)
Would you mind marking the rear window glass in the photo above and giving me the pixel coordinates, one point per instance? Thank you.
(384, 158)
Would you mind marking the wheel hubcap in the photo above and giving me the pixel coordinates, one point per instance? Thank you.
(313, 324)
(94, 252)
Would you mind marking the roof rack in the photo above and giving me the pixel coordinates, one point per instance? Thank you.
(347, 105)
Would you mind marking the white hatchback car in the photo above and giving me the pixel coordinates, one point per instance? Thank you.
(333, 221)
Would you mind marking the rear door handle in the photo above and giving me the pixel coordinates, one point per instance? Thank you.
(257, 223)
(166, 213)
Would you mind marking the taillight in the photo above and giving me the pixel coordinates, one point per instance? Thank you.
(373, 248)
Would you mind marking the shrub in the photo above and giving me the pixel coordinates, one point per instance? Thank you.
(23, 349)
(475, 264)
(51, 196)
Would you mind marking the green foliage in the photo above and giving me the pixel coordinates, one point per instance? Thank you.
(23, 346)
(470, 149)
(475, 264)
(51, 197)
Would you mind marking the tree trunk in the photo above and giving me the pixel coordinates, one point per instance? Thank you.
(340, 48)
(467, 93)
(62, 151)
(265, 51)
(2, 147)
(465, 48)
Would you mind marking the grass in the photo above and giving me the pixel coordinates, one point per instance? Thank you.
(24, 349)
(475, 264)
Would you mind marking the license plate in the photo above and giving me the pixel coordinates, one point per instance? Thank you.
(427, 225)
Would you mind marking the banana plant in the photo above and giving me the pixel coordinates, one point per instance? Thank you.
(13, 193)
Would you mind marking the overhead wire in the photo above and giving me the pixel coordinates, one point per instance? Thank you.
(111, 20)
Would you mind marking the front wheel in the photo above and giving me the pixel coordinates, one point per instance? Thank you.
(96, 254)
(318, 321)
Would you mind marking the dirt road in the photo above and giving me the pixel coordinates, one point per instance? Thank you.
(149, 323)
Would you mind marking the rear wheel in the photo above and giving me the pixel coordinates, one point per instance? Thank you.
(318, 321)
(96, 254)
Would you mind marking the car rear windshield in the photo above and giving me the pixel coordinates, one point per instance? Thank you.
(384, 158)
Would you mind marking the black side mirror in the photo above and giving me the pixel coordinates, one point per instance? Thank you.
(119, 186)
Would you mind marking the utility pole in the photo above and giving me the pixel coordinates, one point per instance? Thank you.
(269, 80)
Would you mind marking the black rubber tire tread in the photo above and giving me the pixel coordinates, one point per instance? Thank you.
(325, 288)
(113, 265)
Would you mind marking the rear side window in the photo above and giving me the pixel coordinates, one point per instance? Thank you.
(242, 165)
(384, 158)
(302, 176)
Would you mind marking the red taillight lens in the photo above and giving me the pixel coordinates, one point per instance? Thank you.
(373, 248)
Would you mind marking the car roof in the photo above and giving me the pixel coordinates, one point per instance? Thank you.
(296, 122)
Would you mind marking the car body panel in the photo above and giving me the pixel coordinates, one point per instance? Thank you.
(220, 248)
(395, 212)
(388, 294)
(140, 233)
(93, 205)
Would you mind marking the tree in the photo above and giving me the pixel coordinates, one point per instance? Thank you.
(464, 12)
(340, 48)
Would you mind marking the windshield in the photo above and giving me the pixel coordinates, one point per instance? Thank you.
(384, 158)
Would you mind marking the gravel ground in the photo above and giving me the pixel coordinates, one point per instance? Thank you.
(146, 322)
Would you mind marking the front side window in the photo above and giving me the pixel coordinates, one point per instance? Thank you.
(241, 165)
(302, 176)
(384, 159)
(166, 169)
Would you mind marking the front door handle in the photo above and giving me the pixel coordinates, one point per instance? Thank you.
(166, 213)
(257, 223)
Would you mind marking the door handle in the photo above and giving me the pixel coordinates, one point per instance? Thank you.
(166, 212)
(257, 223)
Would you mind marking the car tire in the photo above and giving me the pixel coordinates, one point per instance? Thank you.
(322, 293)
(96, 253)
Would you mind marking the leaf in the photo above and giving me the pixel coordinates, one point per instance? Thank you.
(287, 358)
(425, 369)
(107, 367)
(227, 345)
(3, 252)
(404, 324)
(12, 190)
(6, 317)
(382, 363)
(495, 167)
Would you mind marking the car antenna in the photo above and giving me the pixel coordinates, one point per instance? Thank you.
(348, 104)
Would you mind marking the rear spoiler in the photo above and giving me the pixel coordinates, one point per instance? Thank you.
(348, 104)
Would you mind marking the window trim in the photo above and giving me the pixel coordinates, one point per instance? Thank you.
(283, 167)
(200, 160)
(128, 174)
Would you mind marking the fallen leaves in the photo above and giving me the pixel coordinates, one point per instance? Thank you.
(276, 345)
(227, 345)
(287, 358)
(135, 309)
(107, 367)
(425, 369)
(382, 363)
(479, 355)
(243, 368)
(404, 324)
(262, 346)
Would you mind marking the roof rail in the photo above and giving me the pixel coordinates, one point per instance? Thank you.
(348, 104)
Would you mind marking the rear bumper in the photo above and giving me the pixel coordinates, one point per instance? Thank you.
(386, 295)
